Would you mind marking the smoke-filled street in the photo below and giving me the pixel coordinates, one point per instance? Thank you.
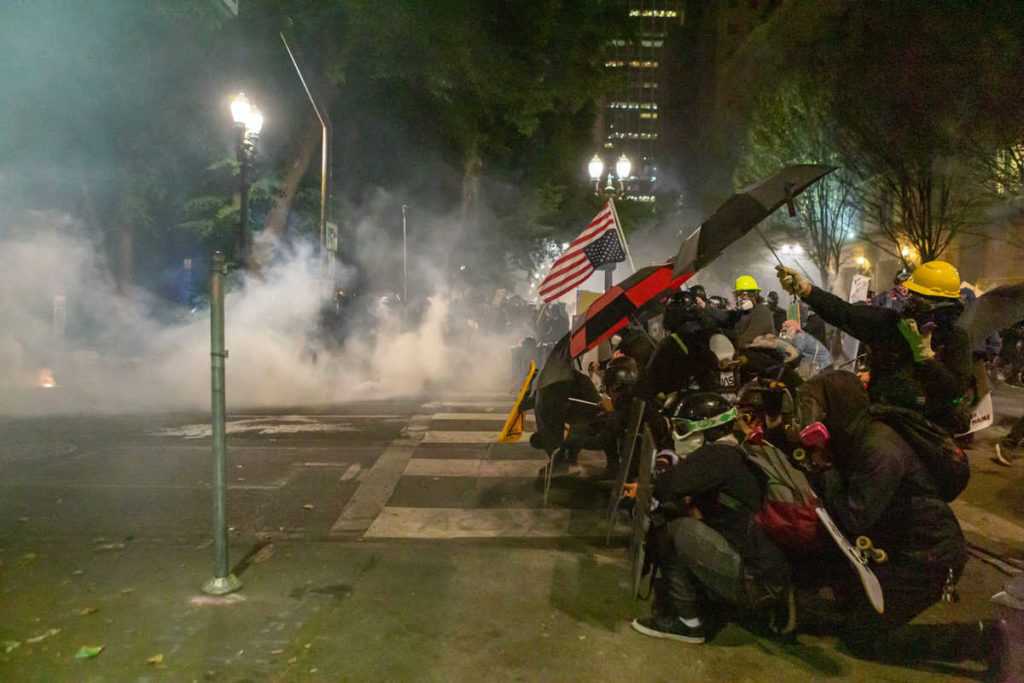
(532, 340)
(380, 540)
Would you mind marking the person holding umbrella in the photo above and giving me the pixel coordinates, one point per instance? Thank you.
(919, 358)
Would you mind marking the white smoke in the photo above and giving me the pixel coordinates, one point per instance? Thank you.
(114, 355)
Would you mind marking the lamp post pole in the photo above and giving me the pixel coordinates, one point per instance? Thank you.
(223, 580)
(405, 263)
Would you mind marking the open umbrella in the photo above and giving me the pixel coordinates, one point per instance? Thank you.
(743, 211)
(614, 309)
(558, 381)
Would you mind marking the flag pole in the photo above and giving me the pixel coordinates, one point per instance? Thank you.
(622, 235)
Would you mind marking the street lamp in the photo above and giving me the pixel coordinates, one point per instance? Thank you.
(623, 169)
(596, 170)
(248, 124)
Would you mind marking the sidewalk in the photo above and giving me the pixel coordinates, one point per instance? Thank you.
(374, 611)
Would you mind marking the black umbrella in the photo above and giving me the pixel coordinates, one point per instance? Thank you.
(558, 382)
(743, 211)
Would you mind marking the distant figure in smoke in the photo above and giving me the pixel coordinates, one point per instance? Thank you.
(778, 313)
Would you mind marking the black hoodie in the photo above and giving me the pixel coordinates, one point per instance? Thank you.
(878, 487)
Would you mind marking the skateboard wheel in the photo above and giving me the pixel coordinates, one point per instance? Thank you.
(864, 543)
(880, 556)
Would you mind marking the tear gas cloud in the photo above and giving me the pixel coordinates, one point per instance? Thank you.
(108, 352)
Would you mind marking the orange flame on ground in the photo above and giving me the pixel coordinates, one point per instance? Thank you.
(46, 379)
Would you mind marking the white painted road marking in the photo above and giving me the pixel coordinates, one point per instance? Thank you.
(352, 472)
(463, 467)
(472, 417)
(379, 482)
(436, 436)
(443, 523)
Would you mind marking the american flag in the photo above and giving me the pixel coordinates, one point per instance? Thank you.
(596, 246)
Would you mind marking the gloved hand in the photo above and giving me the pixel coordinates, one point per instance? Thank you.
(793, 282)
(920, 341)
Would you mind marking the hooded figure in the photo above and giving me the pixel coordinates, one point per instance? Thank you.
(878, 487)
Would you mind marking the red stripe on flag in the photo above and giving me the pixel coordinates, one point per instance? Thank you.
(583, 270)
(589, 233)
(568, 287)
(576, 263)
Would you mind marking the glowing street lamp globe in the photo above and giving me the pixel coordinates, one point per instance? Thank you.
(623, 167)
(254, 124)
(241, 110)
(595, 168)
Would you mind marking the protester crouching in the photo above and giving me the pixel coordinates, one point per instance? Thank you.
(703, 536)
(875, 484)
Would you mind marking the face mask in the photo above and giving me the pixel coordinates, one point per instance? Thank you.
(744, 304)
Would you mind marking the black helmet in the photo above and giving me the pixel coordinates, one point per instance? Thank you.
(773, 298)
(765, 396)
(701, 412)
(699, 292)
(681, 308)
(620, 373)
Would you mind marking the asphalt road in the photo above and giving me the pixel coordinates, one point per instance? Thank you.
(407, 545)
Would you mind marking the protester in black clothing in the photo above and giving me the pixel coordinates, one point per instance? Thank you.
(683, 357)
(637, 344)
(750, 319)
(778, 313)
(815, 326)
(722, 553)
(873, 484)
(919, 359)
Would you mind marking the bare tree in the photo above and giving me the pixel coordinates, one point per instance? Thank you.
(789, 126)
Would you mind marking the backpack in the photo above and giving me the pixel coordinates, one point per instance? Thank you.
(787, 514)
(945, 461)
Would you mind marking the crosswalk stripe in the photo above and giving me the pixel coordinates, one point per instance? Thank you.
(447, 523)
(503, 405)
(443, 436)
(472, 417)
(452, 467)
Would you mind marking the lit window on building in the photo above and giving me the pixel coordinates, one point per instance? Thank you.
(640, 197)
(644, 106)
(643, 64)
(632, 135)
(666, 13)
(652, 43)
(650, 85)
(614, 64)
(648, 115)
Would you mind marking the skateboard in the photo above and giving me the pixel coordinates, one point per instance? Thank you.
(626, 448)
(859, 555)
(642, 510)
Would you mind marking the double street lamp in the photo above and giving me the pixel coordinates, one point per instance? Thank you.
(248, 124)
(623, 169)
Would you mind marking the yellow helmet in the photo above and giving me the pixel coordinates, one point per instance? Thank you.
(746, 283)
(935, 278)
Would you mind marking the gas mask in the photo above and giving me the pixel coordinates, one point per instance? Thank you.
(744, 304)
